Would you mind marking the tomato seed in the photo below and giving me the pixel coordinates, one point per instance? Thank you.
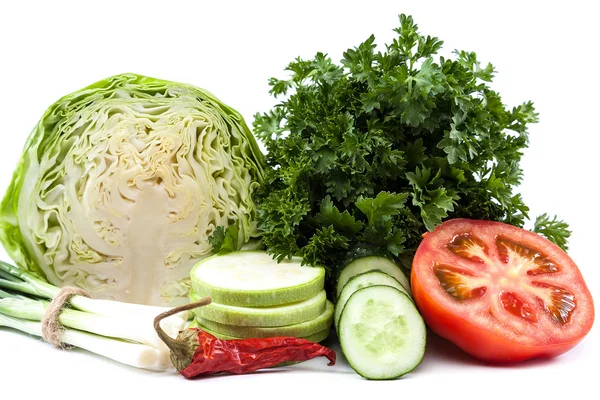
(458, 283)
(560, 302)
(469, 247)
(514, 304)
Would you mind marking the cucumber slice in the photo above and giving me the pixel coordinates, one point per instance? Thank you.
(315, 337)
(360, 281)
(370, 263)
(254, 279)
(303, 329)
(288, 314)
(381, 333)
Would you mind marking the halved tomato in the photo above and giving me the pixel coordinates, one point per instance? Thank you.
(499, 292)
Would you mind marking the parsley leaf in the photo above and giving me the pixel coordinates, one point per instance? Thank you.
(329, 215)
(225, 240)
(375, 150)
(553, 229)
(383, 206)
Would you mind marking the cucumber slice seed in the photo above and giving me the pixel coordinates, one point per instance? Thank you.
(303, 329)
(381, 333)
(360, 281)
(287, 314)
(254, 279)
(315, 337)
(370, 263)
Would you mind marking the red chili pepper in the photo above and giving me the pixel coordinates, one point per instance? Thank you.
(197, 353)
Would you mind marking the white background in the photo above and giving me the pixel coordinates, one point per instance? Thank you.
(546, 52)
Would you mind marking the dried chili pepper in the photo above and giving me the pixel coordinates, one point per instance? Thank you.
(197, 353)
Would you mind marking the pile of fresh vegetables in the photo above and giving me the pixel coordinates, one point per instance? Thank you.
(385, 204)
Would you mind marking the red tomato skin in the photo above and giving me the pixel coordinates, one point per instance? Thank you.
(476, 341)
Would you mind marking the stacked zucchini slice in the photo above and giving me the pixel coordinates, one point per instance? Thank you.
(254, 296)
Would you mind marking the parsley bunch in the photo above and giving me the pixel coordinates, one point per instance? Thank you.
(374, 152)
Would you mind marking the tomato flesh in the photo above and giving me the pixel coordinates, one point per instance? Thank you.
(499, 292)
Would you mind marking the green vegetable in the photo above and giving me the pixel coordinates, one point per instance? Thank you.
(382, 148)
(381, 332)
(315, 337)
(119, 331)
(121, 184)
(362, 280)
(371, 263)
(287, 314)
(303, 329)
(556, 231)
(254, 279)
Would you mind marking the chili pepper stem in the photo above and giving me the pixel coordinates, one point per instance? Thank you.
(185, 345)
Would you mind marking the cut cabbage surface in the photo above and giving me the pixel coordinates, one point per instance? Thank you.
(121, 183)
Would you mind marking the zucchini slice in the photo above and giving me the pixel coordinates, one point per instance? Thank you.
(255, 279)
(287, 314)
(303, 329)
(315, 337)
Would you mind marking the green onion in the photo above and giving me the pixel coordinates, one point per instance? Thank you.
(121, 331)
(136, 355)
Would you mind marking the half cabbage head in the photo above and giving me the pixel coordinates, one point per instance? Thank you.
(121, 184)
